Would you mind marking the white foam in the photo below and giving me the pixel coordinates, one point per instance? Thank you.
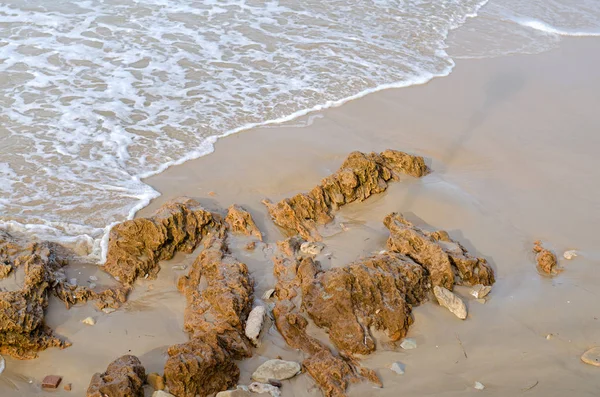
(546, 28)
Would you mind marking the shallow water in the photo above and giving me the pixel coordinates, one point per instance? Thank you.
(96, 95)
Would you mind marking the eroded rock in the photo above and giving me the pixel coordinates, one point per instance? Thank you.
(546, 259)
(263, 388)
(360, 176)
(124, 377)
(446, 261)
(136, 246)
(240, 221)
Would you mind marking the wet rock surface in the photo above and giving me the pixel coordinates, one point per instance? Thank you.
(360, 176)
(124, 377)
(546, 259)
(215, 319)
(136, 246)
(240, 221)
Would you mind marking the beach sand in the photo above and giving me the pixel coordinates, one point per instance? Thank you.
(513, 144)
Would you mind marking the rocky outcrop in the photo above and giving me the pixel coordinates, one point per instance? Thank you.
(240, 221)
(124, 377)
(136, 246)
(214, 319)
(375, 292)
(546, 259)
(446, 261)
(360, 176)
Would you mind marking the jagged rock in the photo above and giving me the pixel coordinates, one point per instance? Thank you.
(480, 291)
(136, 246)
(261, 388)
(124, 377)
(311, 248)
(374, 292)
(592, 356)
(89, 321)
(276, 369)
(360, 176)
(451, 302)
(254, 323)
(546, 259)
(478, 386)
(214, 319)
(51, 382)
(240, 221)
(446, 261)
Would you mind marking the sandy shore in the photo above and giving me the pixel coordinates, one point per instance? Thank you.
(513, 146)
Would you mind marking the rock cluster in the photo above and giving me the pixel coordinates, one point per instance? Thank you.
(124, 377)
(360, 176)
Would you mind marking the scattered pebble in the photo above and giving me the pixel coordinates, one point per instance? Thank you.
(408, 344)
(93, 278)
(592, 356)
(51, 382)
(268, 294)
(251, 246)
(568, 255)
(479, 386)
(312, 248)
(109, 310)
(549, 336)
(67, 387)
(264, 388)
(89, 321)
(276, 369)
(254, 323)
(179, 267)
(211, 193)
(2, 364)
(398, 368)
(73, 281)
(480, 291)
(450, 301)
(92, 285)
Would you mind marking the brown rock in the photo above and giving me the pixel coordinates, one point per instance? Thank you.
(251, 246)
(68, 387)
(360, 176)
(240, 221)
(124, 377)
(136, 246)
(156, 381)
(214, 318)
(51, 382)
(446, 261)
(546, 259)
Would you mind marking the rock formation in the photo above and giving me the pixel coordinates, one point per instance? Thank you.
(240, 221)
(546, 259)
(136, 246)
(214, 319)
(124, 377)
(446, 261)
(360, 176)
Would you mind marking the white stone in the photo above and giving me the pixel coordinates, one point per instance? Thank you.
(276, 369)
(264, 388)
(408, 344)
(2, 364)
(93, 278)
(162, 393)
(254, 323)
(479, 386)
(109, 310)
(92, 285)
(570, 254)
(312, 248)
(398, 368)
(450, 301)
(89, 321)
(73, 281)
(480, 291)
(239, 392)
(268, 294)
(179, 267)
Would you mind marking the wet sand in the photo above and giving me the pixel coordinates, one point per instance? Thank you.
(513, 144)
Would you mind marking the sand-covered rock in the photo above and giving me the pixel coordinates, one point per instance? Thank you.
(450, 301)
(240, 221)
(546, 259)
(360, 176)
(446, 261)
(375, 292)
(124, 377)
(214, 318)
(136, 246)
(276, 369)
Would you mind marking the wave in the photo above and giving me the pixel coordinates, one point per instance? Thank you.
(547, 28)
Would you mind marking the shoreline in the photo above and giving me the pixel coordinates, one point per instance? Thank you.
(512, 148)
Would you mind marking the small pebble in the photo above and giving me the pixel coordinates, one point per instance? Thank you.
(251, 246)
(109, 310)
(51, 382)
(93, 278)
(479, 386)
(2, 364)
(89, 321)
(568, 255)
(257, 387)
(92, 285)
(179, 267)
(67, 387)
(268, 294)
(408, 344)
(398, 368)
(73, 281)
